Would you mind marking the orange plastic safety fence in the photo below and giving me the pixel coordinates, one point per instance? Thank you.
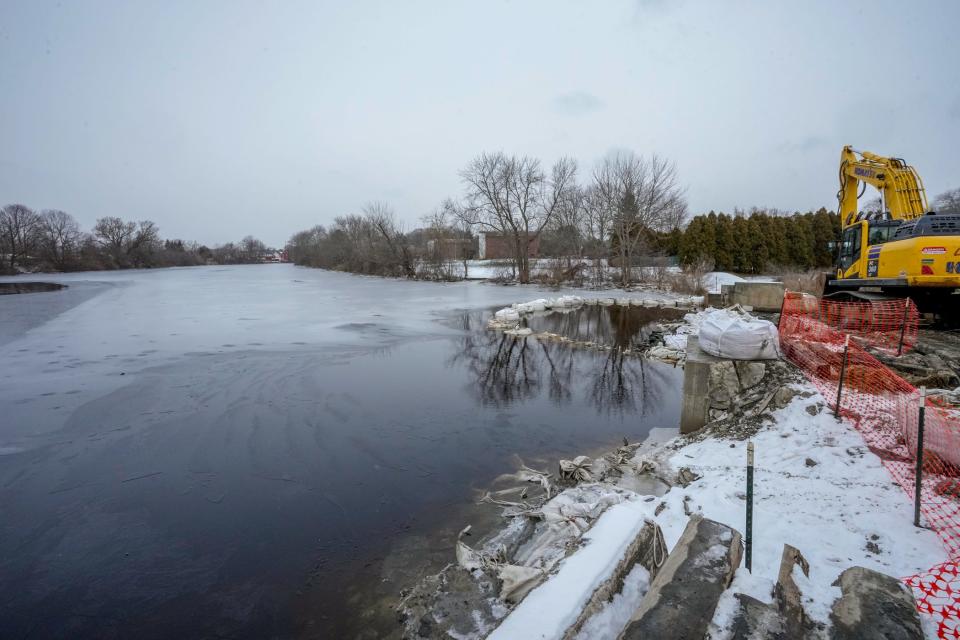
(885, 410)
(887, 325)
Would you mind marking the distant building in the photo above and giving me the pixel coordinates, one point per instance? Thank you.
(497, 246)
(275, 256)
(453, 248)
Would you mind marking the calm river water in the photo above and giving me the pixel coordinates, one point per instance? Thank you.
(246, 452)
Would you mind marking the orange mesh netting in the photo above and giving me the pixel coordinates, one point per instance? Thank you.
(825, 340)
(890, 326)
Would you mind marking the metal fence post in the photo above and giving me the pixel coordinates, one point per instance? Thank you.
(748, 540)
(843, 372)
(919, 472)
(903, 325)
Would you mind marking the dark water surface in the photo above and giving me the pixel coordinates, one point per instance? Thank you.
(257, 493)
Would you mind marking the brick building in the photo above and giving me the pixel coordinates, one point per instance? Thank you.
(496, 246)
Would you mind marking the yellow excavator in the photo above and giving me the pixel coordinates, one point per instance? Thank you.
(902, 250)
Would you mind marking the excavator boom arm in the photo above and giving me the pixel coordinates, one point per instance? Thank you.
(901, 186)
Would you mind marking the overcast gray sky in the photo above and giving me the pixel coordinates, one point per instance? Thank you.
(219, 119)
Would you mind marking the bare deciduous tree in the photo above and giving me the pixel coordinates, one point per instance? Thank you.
(947, 202)
(114, 234)
(60, 238)
(128, 243)
(513, 196)
(144, 243)
(637, 195)
(252, 249)
(19, 227)
(445, 244)
(381, 217)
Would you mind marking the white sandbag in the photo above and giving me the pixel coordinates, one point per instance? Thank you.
(577, 469)
(567, 302)
(733, 333)
(467, 557)
(540, 304)
(517, 581)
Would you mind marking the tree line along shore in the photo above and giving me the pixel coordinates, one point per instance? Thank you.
(52, 240)
(624, 221)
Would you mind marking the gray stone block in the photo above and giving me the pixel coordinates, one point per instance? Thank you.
(683, 597)
(874, 606)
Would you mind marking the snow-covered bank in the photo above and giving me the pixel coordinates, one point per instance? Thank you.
(817, 488)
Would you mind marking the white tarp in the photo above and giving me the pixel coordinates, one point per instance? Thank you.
(734, 333)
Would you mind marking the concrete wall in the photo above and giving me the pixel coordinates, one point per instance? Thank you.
(696, 387)
(714, 386)
(760, 296)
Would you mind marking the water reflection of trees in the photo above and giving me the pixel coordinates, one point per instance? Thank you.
(617, 326)
(505, 369)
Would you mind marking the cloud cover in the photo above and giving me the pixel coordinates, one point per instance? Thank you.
(224, 118)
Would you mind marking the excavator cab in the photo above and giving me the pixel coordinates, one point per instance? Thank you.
(882, 231)
(851, 247)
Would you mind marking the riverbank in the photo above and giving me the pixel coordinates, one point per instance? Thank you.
(817, 488)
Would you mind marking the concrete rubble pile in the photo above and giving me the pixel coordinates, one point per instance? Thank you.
(517, 582)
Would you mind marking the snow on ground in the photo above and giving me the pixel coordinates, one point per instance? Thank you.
(714, 280)
(829, 511)
(817, 487)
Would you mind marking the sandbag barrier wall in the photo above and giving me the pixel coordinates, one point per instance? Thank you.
(884, 408)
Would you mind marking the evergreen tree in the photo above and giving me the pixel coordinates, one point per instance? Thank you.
(741, 247)
(724, 252)
(754, 243)
(757, 240)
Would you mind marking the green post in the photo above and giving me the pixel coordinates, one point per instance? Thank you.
(748, 540)
(919, 472)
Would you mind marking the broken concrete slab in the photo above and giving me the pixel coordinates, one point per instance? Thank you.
(874, 606)
(749, 372)
(786, 592)
(785, 618)
(757, 620)
(610, 549)
(647, 550)
(683, 597)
